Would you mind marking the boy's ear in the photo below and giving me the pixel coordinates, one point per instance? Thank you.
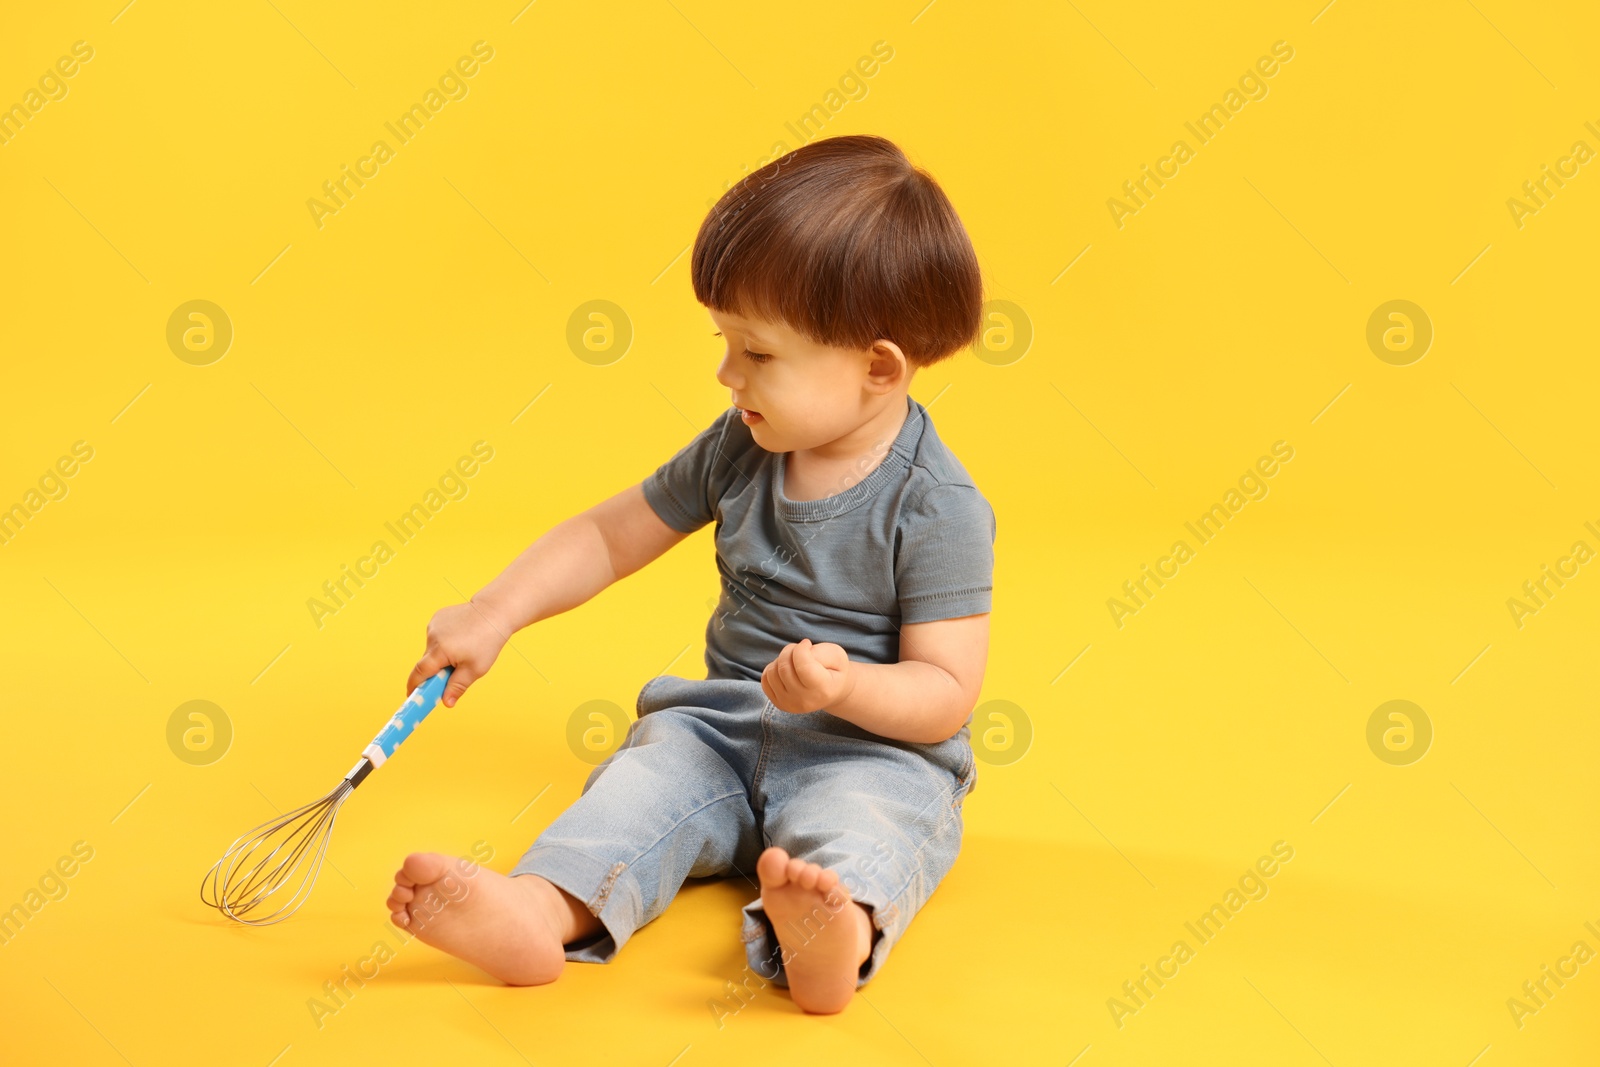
(887, 367)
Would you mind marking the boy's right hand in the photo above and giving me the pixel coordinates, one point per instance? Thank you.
(461, 636)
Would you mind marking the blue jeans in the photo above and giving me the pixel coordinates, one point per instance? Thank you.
(711, 774)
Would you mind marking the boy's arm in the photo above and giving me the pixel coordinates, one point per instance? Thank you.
(577, 559)
(572, 562)
(925, 698)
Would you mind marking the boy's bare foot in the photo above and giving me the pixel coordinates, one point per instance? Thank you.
(825, 935)
(514, 928)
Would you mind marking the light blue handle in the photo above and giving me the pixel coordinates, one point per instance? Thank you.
(408, 717)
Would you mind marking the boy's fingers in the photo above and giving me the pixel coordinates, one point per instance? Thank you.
(830, 655)
(786, 668)
(432, 662)
(810, 670)
(460, 678)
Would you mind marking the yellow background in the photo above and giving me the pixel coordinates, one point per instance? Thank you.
(1226, 315)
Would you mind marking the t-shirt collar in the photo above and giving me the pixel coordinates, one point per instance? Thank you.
(893, 464)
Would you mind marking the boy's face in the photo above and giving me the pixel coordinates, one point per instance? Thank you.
(795, 394)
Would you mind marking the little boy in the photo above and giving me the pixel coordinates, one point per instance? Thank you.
(826, 751)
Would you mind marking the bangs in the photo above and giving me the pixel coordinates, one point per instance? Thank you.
(845, 242)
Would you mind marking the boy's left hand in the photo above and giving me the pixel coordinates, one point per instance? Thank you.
(807, 677)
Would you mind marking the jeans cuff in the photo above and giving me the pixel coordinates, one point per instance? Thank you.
(607, 889)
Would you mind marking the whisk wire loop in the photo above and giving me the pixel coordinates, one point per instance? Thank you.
(261, 879)
(270, 870)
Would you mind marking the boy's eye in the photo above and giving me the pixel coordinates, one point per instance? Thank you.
(755, 357)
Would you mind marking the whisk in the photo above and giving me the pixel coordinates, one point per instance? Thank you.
(269, 872)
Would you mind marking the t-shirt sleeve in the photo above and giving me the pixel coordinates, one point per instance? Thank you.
(685, 489)
(944, 565)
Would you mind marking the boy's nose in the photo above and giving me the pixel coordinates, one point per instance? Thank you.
(725, 373)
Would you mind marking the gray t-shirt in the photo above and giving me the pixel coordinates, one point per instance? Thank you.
(911, 542)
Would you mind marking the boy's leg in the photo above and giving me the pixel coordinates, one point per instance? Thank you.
(885, 815)
(671, 803)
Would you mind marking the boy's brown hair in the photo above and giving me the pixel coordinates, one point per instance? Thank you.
(845, 242)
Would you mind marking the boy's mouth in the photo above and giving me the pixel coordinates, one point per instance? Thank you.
(749, 417)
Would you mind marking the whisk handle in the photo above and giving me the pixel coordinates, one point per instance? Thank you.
(422, 700)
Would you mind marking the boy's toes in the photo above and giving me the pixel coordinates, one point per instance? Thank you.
(803, 873)
(773, 866)
(422, 868)
(777, 868)
(400, 897)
